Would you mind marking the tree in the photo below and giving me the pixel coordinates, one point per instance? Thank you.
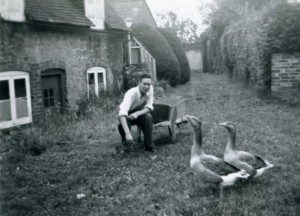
(178, 50)
(185, 29)
(166, 61)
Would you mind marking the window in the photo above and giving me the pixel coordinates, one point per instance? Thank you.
(135, 55)
(135, 52)
(96, 80)
(48, 96)
(15, 99)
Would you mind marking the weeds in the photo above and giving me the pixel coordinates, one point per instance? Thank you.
(106, 102)
(48, 184)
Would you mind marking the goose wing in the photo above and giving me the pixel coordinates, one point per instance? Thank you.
(217, 165)
(255, 161)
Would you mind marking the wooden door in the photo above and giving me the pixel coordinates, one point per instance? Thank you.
(52, 91)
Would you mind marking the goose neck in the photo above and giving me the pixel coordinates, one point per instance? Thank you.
(198, 139)
(231, 140)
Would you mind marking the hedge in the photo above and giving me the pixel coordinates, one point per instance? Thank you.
(179, 52)
(243, 48)
(167, 66)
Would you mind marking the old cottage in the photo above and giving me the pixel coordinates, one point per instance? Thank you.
(54, 52)
(133, 13)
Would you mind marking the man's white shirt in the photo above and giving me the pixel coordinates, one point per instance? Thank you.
(133, 96)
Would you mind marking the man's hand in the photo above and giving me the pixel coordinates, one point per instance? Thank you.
(128, 136)
(133, 116)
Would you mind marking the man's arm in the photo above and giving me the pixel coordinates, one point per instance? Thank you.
(125, 127)
(148, 106)
(123, 113)
(136, 114)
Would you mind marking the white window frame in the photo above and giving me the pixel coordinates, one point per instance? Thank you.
(143, 52)
(11, 76)
(139, 46)
(96, 71)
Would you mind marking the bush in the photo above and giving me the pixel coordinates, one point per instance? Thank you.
(161, 87)
(212, 57)
(132, 76)
(178, 49)
(243, 47)
(166, 61)
(88, 107)
(22, 142)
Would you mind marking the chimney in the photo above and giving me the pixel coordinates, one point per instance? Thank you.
(12, 10)
(94, 11)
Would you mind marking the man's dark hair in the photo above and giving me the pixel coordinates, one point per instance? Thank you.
(145, 75)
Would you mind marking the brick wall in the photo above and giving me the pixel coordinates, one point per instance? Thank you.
(35, 48)
(195, 59)
(286, 75)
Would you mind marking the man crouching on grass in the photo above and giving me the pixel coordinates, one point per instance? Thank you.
(135, 110)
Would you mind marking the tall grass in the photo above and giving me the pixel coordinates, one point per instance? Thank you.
(115, 184)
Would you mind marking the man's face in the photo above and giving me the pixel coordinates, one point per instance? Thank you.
(145, 85)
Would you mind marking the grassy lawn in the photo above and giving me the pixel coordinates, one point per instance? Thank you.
(160, 184)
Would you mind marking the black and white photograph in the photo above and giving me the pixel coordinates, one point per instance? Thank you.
(149, 107)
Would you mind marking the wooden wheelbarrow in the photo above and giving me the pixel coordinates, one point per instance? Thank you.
(168, 112)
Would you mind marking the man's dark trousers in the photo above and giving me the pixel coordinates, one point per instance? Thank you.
(145, 122)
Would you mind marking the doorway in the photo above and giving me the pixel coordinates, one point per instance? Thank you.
(53, 86)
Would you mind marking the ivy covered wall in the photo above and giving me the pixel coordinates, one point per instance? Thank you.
(242, 45)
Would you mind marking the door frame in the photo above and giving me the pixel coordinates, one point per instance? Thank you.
(62, 84)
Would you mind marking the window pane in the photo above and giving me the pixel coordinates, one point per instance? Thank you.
(51, 102)
(100, 78)
(5, 113)
(22, 109)
(91, 79)
(46, 103)
(51, 92)
(135, 56)
(4, 90)
(45, 93)
(20, 88)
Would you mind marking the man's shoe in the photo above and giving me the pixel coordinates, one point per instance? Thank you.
(150, 149)
(130, 147)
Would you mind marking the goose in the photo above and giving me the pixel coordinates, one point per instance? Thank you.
(210, 168)
(252, 164)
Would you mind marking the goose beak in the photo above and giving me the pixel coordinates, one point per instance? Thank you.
(184, 118)
(223, 124)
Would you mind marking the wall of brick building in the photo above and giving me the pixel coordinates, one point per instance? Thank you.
(286, 75)
(35, 48)
(195, 59)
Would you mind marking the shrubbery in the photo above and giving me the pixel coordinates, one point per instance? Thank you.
(243, 47)
(166, 62)
(87, 107)
(179, 52)
(23, 142)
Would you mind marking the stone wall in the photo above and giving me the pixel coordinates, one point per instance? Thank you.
(34, 48)
(286, 75)
(195, 60)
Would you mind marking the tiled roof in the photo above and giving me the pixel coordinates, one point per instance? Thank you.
(112, 19)
(57, 11)
(69, 12)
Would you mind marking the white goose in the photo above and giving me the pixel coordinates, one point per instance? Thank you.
(210, 168)
(254, 165)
